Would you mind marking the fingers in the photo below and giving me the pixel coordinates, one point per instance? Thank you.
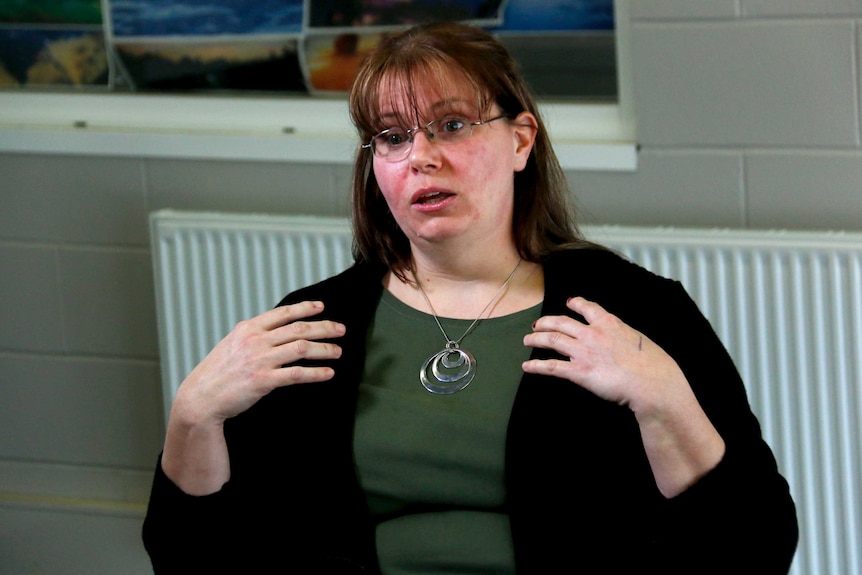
(582, 343)
(590, 311)
(286, 314)
(285, 328)
(603, 354)
(304, 349)
(550, 367)
(285, 368)
(291, 334)
(307, 330)
(280, 337)
(553, 333)
(579, 303)
(293, 374)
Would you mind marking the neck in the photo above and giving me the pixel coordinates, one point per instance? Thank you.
(460, 274)
(458, 288)
(451, 262)
(488, 305)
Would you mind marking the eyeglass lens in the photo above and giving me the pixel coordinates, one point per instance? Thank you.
(395, 143)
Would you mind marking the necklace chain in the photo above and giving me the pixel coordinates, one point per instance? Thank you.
(454, 343)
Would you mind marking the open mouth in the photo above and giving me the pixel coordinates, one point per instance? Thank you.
(432, 198)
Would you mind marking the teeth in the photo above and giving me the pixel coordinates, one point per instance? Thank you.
(430, 197)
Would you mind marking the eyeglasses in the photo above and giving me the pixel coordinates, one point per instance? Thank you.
(394, 144)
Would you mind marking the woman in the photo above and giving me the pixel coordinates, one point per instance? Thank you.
(572, 412)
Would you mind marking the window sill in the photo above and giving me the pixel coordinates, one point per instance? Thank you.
(318, 130)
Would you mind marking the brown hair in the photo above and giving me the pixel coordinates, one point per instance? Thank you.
(543, 215)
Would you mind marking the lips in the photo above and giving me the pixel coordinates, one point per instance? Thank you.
(430, 197)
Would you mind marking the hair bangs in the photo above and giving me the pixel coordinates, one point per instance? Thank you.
(391, 92)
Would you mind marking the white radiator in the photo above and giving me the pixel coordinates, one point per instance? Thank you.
(788, 306)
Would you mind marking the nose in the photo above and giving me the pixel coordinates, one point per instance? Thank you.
(427, 130)
(424, 154)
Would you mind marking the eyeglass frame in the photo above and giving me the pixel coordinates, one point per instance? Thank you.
(411, 132)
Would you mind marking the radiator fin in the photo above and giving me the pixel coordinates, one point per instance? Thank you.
(788, 306)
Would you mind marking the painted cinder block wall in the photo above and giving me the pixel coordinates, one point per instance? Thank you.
(747, 117)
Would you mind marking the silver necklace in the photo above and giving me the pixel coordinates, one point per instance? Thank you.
(452, 368)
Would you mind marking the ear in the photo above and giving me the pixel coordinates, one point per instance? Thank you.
(524, 132)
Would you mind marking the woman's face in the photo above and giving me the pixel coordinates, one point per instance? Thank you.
(458, 191)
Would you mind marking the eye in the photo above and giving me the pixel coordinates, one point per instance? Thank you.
(393, 137)
(396, 137)
(452, 125)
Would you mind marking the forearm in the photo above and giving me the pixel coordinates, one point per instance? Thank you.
(195, 455)
(740, 515)
(681, 444)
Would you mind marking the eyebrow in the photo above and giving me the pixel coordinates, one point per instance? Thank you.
(451, 103)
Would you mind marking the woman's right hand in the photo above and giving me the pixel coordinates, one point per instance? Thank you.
(256, 357)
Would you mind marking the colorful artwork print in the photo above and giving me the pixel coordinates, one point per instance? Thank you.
(353, 13)
(205, 17)
(51, 12)
(251, 66)
(550, 15)
(30, 57)
(305, 46)
(333, 60)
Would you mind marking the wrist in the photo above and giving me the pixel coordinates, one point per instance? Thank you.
(682, 446)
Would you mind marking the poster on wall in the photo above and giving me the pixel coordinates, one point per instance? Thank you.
(557, 15)
(293, 46)
(332, 59)
(47, 43)
(566, 48)
(399, 13)
(340, 33)
(208, 45)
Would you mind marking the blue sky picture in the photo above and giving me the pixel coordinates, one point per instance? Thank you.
(205, 17)
(59, 57)
(20, 48)
(136, 18)
(548, 15)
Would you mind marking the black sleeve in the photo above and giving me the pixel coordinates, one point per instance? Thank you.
(740, 517)
(293, 503)
(184, 533)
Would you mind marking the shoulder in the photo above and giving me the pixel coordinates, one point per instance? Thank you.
(636, 295)
(349, 297)
(598, 270)
(357, 281)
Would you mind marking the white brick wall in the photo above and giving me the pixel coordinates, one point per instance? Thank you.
(768, 90)
(747, 116)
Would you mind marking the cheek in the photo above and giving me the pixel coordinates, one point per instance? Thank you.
(490, 166)
(389, 181)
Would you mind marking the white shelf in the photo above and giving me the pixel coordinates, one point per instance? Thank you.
(585, 137)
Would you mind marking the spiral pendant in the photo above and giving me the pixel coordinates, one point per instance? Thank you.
(451, 370)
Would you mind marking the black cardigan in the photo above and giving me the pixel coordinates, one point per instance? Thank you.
(580, 492)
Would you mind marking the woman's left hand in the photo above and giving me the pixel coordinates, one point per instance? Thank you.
(607, 357)
(618, 363)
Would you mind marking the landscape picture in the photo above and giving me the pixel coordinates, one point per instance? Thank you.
(556, 15)
(162, 18)
(358, 13)
(273, 45)
(38, 57)
(250, 66)
(51, 12)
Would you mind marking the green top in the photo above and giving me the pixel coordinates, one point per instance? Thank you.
(432, 465)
